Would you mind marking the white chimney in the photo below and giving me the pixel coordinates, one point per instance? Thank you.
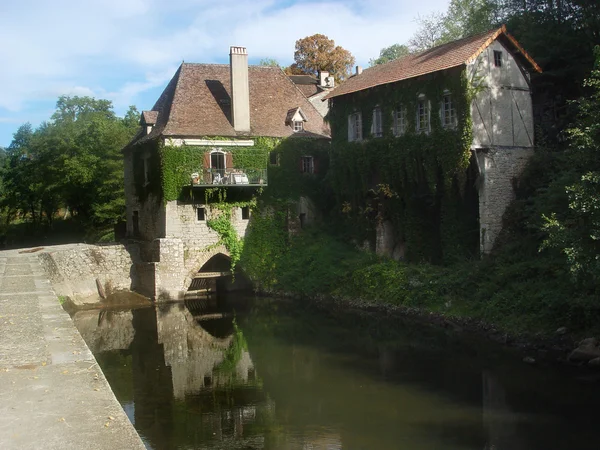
(325, 80)
(358, 70)
(240, 92)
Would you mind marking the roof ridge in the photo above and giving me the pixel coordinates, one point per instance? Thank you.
(172, 102)
(441, 57)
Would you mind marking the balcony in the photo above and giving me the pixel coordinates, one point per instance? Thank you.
(229, 177)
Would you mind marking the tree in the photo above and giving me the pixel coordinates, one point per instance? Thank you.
(319, 53)
(575, 230)
(463, 18)
(269, 62)
(390, 53)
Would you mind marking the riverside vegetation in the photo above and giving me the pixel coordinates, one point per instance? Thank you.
(542, 275)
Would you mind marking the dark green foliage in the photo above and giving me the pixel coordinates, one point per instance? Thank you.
(177, 163)
(418, 181)
(72, 162)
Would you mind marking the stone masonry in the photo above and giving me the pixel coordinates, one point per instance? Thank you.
(499, 167)
(74, 269)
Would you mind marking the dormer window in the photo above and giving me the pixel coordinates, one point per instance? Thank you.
(295, 119)
(148, 120)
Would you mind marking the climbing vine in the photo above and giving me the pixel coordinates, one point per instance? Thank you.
(425, 171)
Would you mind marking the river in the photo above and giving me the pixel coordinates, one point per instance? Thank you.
(265, 373)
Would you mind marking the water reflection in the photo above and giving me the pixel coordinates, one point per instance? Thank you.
(198, 375)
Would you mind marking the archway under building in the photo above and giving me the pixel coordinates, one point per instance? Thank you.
(215, 278)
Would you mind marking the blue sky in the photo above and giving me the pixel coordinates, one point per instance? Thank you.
(127, 50)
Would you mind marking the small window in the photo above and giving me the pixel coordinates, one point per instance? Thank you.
(307, 164)
(399, 120)
(448, 111)
(245, 212)
(200, 214)
(423, 114)
(355, 127)
(298, 126)
(274, 158)
(377, 125)
(497, 58)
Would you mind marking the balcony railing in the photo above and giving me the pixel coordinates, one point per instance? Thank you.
(230, 177)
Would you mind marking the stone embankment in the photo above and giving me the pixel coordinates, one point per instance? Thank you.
(53, 395)
(78, 271)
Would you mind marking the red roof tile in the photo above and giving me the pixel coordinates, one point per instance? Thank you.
(439, 58)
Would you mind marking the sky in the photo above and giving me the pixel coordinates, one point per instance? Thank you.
(127, 50)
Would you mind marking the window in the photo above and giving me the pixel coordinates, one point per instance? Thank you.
(355, 127)
(497, 58)
(245, 212)
(200, 214)
(448, 111)
(274, 158)
(377, 126)
(423, 114)
(307, 164)
(399, 120)
(298, 126)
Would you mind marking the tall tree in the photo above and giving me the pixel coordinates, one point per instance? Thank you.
(318, 52)
(390, 53)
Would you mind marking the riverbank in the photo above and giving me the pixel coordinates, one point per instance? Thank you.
(524, 302)
(53, 393)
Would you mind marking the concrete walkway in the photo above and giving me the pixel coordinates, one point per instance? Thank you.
(53, 395)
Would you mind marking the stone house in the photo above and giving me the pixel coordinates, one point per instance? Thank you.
(467, 99)
(315, 89)
(207, 140)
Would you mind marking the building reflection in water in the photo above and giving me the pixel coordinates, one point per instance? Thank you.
(185, 374)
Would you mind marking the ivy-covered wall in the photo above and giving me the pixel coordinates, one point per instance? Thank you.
(421, 182)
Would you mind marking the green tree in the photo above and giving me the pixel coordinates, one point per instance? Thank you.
(390, 53)
(575, 231)
(318, 52)
(269, 62)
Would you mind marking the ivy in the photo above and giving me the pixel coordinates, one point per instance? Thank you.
(431, 211)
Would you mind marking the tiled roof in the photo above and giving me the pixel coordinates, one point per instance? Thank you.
(439, 58)
(149, 117)
(303, 79)
(197, 103)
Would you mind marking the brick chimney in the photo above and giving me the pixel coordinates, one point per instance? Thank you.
(240, 92)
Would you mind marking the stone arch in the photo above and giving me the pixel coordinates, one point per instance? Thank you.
(204, 257)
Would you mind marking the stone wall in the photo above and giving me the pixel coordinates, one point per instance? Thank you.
(151, 211)
(499, 167)
(182, 223)
(73, 269)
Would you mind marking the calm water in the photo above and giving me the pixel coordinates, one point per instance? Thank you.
(262, 373)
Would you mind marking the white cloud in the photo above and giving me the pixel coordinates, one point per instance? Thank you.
(122, 48)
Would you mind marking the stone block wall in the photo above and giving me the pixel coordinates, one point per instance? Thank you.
(182, 223)
(73, 269)
(499, 167)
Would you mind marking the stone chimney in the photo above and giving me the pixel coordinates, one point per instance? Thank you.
(240, 92)
(325, 81)
(358, 70)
